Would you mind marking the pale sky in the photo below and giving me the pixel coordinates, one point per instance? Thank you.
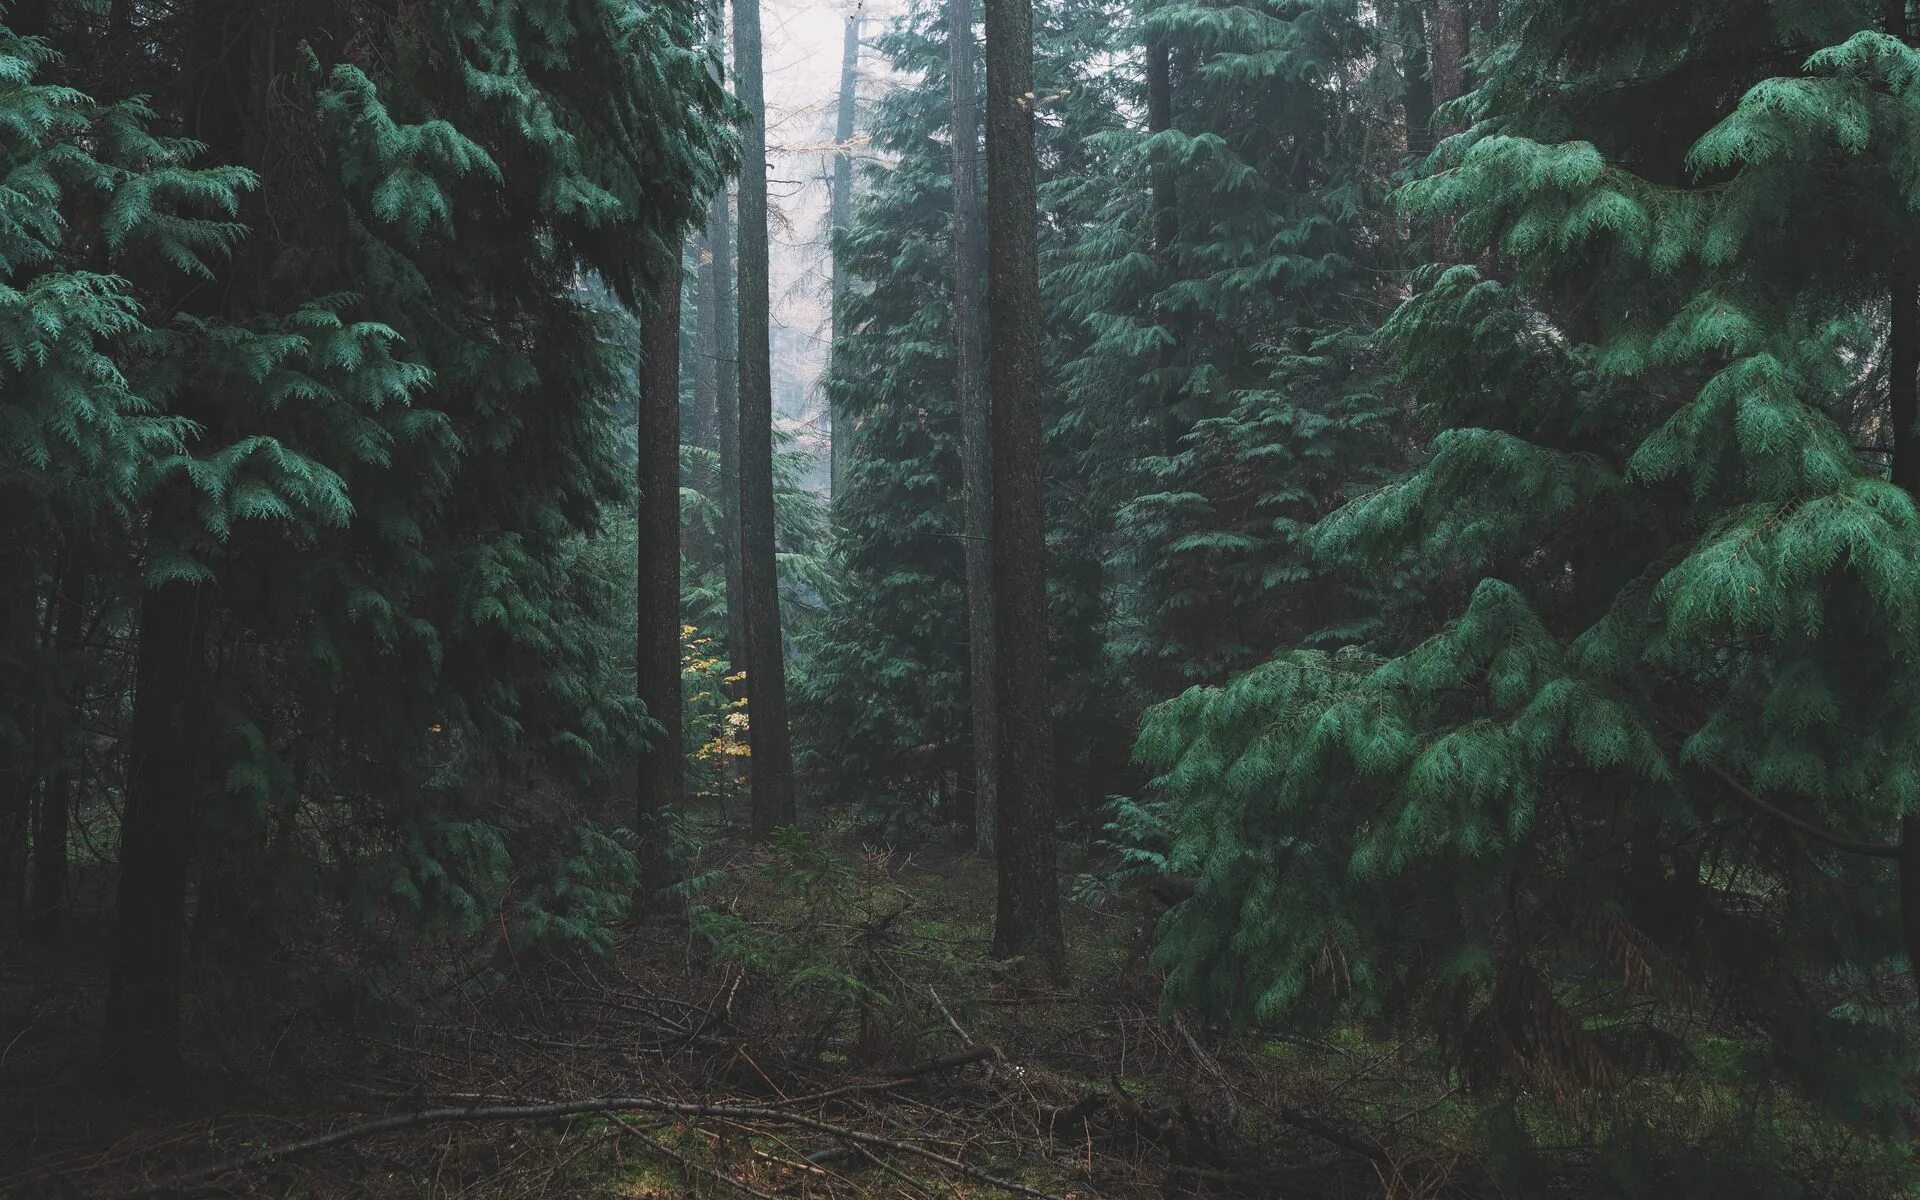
(802, 54)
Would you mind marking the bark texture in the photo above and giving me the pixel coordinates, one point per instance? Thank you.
(768, 736)
(1027, 917)
(662, 768)
(976, 454)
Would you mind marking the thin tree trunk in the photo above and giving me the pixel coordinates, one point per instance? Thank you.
(1903, 412)
(172, 688)
(839, 424)
(703, 415)
(1027, 916)
(1166, 230)
(976, 431)
(768, 736)
(156, 831)
(662, 777)
(1418, 97)
(726, 388)
(47, 915)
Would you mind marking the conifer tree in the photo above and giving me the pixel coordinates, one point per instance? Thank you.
(1662, 468)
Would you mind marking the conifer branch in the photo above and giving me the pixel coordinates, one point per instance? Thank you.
(1846, 844)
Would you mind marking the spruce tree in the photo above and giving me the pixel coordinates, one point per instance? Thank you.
(1642, 768)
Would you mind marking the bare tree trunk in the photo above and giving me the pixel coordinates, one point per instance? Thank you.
(702, 420)
(172, 688)
(1027, 916)
(726, 388)
(1417, 101)
(1448, 30)
(768, 736)
(1903, 412)
(839, 424)
(156, 830)
(976, 432)
(662, 775)
(46, 917)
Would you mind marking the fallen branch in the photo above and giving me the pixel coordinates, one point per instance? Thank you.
(902, 1076)
(560, 1110)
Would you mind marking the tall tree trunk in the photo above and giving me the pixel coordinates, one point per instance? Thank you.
(726, 385)
(662, 780)
(1417, 100)
(172, 687)
(47, 915)
(1903, 412)
(1027, 916)
(156, 832)
(839, 424)
(768, 738)
(702, 416)
(1166, 230)
(976, 430)
(1448, 30)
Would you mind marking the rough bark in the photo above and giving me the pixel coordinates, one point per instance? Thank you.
(839, 424)
(1448, 30)
(1027, 916)
(976, 455)
(768, 737)
(662, 768)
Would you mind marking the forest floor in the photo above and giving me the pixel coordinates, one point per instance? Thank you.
(821, 1020)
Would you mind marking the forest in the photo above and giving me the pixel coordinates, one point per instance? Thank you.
(1336, 614)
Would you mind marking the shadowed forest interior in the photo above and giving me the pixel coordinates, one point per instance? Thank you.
(1062, 598)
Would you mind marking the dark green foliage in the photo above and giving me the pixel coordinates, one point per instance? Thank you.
(1554, 832)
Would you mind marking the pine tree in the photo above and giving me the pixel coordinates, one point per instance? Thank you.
(661, 789)
(1642, 765)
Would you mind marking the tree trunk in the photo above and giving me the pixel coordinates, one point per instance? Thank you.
(702, 416)
(662, 778)
(156, 831)
(172, 688)
(768, 738)
(46, 917)
(839, 424)
(726, 389)
(1027, 916)
(976, 431)
(1903, 412)
(1448, 31)
(1418, 97)
(1166, 231)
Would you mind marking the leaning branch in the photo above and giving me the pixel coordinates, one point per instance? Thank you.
(560, 1110)
(1849, 845)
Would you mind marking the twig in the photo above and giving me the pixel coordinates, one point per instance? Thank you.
(572, 1108)
(685, 1162)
